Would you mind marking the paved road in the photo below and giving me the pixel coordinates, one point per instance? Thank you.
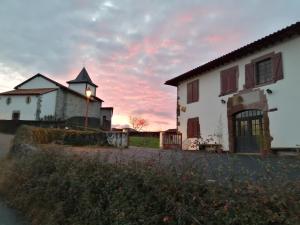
(222, 167)
(7, 216)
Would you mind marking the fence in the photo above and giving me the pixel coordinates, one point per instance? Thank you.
(170, 140)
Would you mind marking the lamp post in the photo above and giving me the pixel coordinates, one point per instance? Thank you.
(88, 94)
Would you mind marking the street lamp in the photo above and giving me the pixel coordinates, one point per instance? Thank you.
(88, 94)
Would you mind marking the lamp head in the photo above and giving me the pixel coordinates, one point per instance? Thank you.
(88, 92)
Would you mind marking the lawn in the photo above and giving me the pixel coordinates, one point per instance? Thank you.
(146, 142)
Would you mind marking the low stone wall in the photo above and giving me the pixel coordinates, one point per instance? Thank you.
(118, 139)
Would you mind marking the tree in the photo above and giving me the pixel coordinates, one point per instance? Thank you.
(138, 123)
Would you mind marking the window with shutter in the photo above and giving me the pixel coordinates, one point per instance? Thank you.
(229, 80)
(193, 128)
(264, 70)
(193, 91)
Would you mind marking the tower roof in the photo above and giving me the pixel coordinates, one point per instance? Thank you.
(83, 77)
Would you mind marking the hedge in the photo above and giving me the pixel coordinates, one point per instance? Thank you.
(35, 135)
(52, 188)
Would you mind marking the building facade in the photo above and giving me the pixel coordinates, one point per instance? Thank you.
(246, 101)
(41, 98)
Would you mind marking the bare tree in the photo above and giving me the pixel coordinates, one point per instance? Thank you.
(138, 123)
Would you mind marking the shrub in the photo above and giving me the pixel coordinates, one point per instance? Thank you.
(35, 135)
(56, 188)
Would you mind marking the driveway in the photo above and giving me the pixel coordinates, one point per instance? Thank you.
(220, 167)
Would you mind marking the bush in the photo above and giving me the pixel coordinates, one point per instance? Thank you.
(56, 188)
(35, 135)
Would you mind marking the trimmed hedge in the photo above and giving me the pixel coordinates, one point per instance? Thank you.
(52, 188)
(35, 135)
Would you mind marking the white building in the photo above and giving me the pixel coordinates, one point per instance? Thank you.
(41, 98)
(246, 100)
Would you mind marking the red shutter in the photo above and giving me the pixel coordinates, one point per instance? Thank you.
(223, 82)
(196, 90)
(197, 127)
(249, 76)
(193, 128)
(229, 80)
(189, 130)
(277, 66)
(189, 92)
(233, 79)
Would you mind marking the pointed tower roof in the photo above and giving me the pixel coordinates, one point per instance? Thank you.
(83, 77)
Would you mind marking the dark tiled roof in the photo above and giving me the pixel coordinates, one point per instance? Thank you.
(59, 85)
(83, 77)
(36, 91)
(264, 42)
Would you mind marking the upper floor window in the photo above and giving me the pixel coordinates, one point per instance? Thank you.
(8, 100)
(28, 99)
(229, 80)
(193, 91)
(264, 70)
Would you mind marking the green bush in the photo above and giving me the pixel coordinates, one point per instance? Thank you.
(55, 188)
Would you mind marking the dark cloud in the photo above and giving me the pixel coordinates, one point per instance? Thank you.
(130, 47)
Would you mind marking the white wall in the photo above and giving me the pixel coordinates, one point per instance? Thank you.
(38, 82)
(82, 87)
(18, 103)
(284, 123)
(106, 112)
(48, 103)
(75, 106)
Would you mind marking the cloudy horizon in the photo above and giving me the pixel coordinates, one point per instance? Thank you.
(130, 48)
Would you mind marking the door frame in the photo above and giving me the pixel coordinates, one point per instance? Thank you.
(239, 131)
(236, 104)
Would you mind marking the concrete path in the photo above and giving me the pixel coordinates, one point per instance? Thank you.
(7, 216)
(221, 167)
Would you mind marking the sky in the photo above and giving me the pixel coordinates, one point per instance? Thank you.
(130, 47)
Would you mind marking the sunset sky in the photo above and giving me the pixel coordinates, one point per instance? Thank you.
(130, 48)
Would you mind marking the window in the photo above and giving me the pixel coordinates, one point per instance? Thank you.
(193, 91)
(8, 100)
(28, 99)
(16, 115)
(264, 71)
(229, 80)
(193, 128)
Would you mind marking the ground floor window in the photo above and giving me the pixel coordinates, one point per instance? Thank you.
(193, 128)
(16, 115)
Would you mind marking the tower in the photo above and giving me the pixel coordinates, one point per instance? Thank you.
(82, 82)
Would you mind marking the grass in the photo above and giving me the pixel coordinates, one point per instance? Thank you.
(145, 142)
